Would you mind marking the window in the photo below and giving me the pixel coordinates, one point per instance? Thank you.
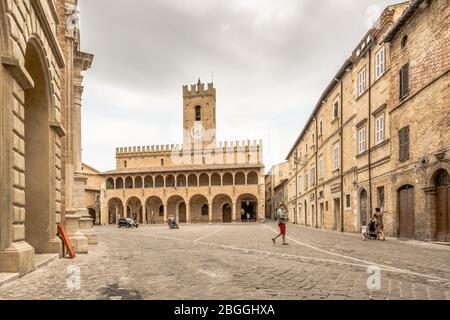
(404, 81)
(306, 182)
(362, 81)
(379, 129)
(313, 139)
(313, 176)
(336, 157)
(326, 205)
(125, 163)
(348, 202)
(379, 63)
(380, 196)
(198, 113)
(205, 210)
(321, 167)
(404, 41)
(299, 184)
(321, 128)
(362, 140)
(336, 110)
(403, 136)
(162, 162)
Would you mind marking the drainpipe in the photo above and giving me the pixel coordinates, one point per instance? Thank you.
(369, 126)
(296, 186)
(317, 170)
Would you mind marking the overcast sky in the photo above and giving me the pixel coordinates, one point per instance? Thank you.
(271, 60)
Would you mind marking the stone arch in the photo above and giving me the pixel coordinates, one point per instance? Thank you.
(363, 207)
(159, 182)
(40, 197)
(228, 179)
(115, 210)
(138, 182)
(239, 179)
(170, 181)
(204, 180)
(148, 182)
(119, 183)
(196, 203)
(218, 206)
(252, 178)
(247, 204)
(181, 180)
(134, 209)
(110, 184)
(152, 209)
(216, 179)
(440, 216)
(192, 180)
(173, 205)
(129, 183)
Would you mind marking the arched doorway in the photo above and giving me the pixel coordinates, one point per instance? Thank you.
(199, 208)
(442, 182)
(115, 210)
(153, 206)
(222, 208)
(247, 205)
(134, 209)
(40, 222)
(173, 207)
(363, 208)
(406, 221)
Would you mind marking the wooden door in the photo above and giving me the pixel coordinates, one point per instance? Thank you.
(227, 213)
(406, 213)
(442, 214)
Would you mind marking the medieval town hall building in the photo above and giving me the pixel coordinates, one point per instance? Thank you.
(200, 181)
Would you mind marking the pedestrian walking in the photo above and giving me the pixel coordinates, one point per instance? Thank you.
(379, 224)
(282, 220)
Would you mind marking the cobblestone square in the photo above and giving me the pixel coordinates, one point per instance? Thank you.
(239, 261)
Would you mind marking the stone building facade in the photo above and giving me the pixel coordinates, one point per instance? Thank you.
(275, 178)
(364, 147)
(200, 181)
(40, 92)
(92, 192)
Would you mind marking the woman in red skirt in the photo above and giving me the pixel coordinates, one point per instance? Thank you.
(282, 220)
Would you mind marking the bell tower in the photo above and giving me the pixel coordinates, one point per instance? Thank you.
(199, 115)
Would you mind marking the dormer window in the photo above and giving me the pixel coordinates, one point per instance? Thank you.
(198, 113)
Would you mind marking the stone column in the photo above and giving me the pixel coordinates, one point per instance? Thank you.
(430, 207)
(210, 212)
(165, 212)
(233, 209)
(188, 213)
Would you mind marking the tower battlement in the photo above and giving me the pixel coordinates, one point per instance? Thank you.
(199, 89)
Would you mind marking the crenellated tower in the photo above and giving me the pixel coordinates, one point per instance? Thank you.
(199, 115)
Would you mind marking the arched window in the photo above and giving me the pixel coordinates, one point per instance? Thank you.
(138, 182)
(110, 183)
(119, 183)
(198, 113)
(252, 178)
(129, 183)
(148, 182)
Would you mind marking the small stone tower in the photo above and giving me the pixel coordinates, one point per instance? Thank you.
(199, 115)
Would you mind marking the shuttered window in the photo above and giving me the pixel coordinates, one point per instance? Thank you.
(403, 135)
(404, 81)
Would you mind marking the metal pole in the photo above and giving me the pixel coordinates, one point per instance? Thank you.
(296, 186)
